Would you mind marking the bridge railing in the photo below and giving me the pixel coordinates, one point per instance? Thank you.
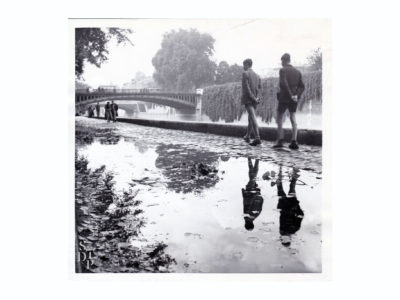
(85, 95)
(128, 91)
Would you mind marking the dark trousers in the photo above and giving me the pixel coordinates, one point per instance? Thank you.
(108, 115)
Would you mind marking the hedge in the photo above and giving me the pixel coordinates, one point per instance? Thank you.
(222, 102)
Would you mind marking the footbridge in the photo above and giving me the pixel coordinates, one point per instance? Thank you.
(176, 100)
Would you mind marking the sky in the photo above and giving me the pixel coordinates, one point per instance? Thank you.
(262, 40)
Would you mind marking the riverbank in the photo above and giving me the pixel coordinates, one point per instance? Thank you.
(109, 221)
(304, 136)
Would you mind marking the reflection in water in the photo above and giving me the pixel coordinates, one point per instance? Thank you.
(141, 146)
(291, 214)
(204, 230)
(187, 170)
(252, 200)
(306, 120)
(110, 139)
(224, 157)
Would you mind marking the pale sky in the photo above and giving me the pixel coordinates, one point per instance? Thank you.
(263, 40)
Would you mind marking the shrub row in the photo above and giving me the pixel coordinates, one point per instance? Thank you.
(222, 102)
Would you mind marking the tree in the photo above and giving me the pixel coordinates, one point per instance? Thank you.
(184, 61)
(222, 72)
(226, 73)
(236, 72)
(140, 75)
(79, 85)
(91, 45)
(315, 60)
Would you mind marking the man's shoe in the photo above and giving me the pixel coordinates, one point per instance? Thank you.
(279, 144)
(255, 142)
(293, 145)
(246, 139)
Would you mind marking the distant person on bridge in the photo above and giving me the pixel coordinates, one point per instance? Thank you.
(98, 109)
(90, 112)
(114, 111)
(251, 96)
(108, 112)
(291, 87)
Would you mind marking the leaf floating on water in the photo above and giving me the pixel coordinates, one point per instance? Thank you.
(252, 239)
(195, 235)
(266, 176)
(268, 223)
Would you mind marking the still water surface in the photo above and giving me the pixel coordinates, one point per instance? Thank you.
(202, 218)
(137, 110)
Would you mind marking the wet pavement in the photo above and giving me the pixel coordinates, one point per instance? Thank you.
(218, 204)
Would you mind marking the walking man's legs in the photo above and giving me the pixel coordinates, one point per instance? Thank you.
(253, 120)
(294, 126)
(279, 121)
(250, 130)
(293, 145)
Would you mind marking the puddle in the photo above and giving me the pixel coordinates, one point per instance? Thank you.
(231, 214)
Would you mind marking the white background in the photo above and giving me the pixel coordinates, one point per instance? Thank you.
(361, 148)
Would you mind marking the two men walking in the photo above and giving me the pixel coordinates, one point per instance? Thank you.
(291, 88)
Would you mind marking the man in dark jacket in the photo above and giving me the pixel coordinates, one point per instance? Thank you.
(90, 111)
(107, 109)
(98, 109)
(114, 111)
(291, 87)
(251, 95)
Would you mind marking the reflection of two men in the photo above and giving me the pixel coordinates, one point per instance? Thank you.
(252, 200)
(291, 214)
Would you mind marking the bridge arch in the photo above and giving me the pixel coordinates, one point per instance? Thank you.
(175, 100)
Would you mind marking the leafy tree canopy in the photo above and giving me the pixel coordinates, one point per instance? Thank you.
(226, 73)
(81, 85)
(184, 61)
(315, 60)
(91, 45)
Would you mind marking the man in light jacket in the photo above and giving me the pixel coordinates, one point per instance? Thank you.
(251, 96)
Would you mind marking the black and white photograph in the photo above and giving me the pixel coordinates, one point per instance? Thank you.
(199, 149)
(198, 145)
